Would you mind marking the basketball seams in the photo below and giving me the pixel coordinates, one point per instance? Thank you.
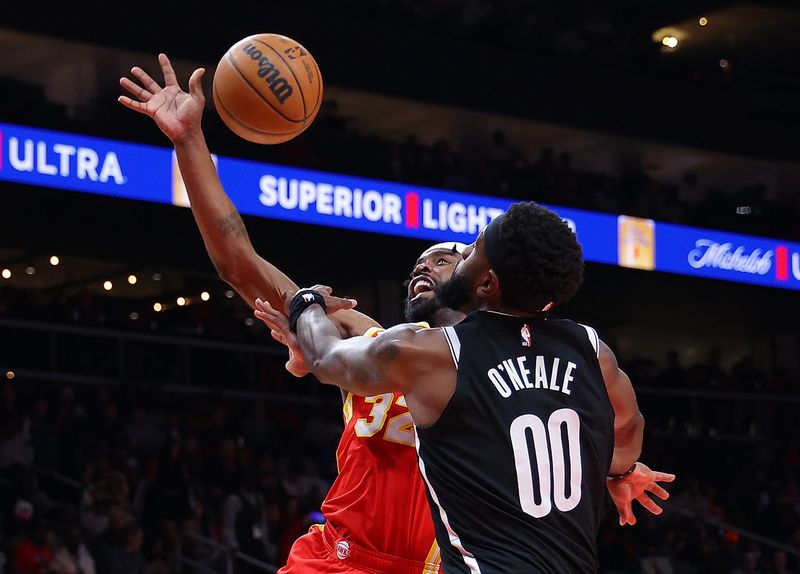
(223, 111)
(296, 81)
(221, 104)
(318, 102)
(232, 62)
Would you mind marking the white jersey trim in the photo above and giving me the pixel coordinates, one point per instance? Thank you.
(454, 539)
(593, 338)
(454, 343)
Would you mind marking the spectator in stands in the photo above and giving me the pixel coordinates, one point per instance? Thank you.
(749, 563)
(34, 553)
(709, 374)
(780, 563)
(244, 519)
(673, 375)
(121, 551)
(72, 555)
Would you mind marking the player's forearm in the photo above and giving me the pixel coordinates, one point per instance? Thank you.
(333, 360)
(220, 224)
(628, 438)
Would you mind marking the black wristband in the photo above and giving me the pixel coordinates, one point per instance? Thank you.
(624, 474)
(301, 301)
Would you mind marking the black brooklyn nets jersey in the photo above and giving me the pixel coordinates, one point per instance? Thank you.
(516, 465)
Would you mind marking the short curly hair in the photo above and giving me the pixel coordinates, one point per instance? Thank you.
(542, 258)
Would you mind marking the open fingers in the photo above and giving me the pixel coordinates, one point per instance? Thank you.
(663, 477)
(625, 514)
(170, 79)
(145, 79)
(657, 490)
(195, 87)
(268, 320)
(649, 504)
(135, 89)
(265, 307)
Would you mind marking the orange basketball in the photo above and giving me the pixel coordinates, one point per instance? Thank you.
(267, 88)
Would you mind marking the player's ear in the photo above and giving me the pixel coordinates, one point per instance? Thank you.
(489, 284)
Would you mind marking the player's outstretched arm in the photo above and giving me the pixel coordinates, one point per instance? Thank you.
(628, 420)
(178, 114)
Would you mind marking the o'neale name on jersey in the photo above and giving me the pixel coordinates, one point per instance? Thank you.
(515, 375)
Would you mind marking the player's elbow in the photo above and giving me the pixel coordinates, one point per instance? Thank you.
(235, 265)
(331, 370)
(224, 272)
(239, 277)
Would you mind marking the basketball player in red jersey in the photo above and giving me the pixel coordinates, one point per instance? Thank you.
(377, 514)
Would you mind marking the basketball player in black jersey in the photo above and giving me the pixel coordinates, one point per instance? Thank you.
(521, 419)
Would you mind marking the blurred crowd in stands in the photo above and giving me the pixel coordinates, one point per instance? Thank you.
(134, 479)
(120, 480)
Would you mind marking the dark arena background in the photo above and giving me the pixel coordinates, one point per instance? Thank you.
(138, 394)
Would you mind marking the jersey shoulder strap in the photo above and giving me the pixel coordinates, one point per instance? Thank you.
(375, 331)
(593, 338)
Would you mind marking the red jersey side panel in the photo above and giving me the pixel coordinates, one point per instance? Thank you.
(378, 500)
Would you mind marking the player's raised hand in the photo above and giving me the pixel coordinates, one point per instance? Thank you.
(279, 329)
(637, 486)
(175, 111)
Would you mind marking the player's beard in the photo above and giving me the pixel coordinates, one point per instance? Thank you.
(421, 310)
(455, 292)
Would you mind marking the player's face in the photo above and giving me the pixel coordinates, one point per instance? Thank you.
(429, 271)
(459, 292)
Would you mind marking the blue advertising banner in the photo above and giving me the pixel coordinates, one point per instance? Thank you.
(149, 173)
(727, 256)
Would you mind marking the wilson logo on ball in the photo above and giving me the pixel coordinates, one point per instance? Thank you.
(267, 70)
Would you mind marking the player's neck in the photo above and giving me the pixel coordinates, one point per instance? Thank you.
(446, 317)
(499, 307)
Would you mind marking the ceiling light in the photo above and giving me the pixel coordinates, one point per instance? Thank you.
(108, 285)
(670, 41)
(703, 21)
(180, 301)
(157, 307)
(249, 321)
(6, 273)
(723, 63)
(156, 276)
(229, 294)
(205, 296)
(54, 260)
(10, 375)
(134, 315)
(30, 270)
(132, 279)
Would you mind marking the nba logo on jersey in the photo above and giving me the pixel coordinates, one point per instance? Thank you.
(525, 335)
(308, 297)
